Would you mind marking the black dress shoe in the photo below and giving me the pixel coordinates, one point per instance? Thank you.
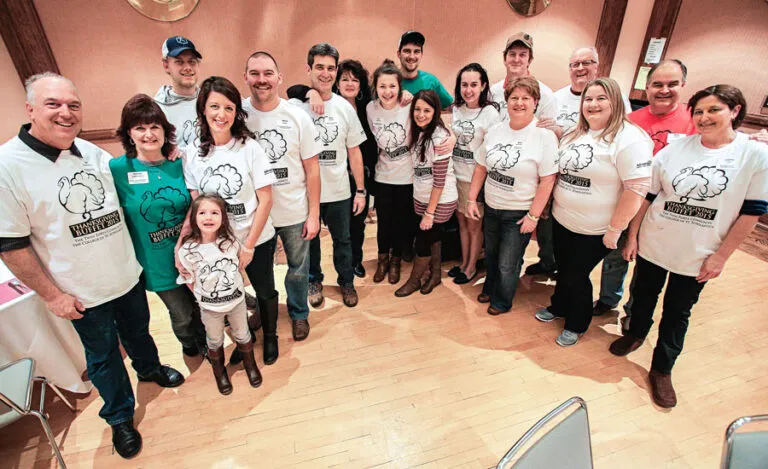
(192, 351)
(455, 270)
(165, 376)
(462, 278)
(127, 439)
(359, 270)
(538, 269)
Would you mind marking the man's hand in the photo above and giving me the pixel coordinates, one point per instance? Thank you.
(358, 204)
(446, 147)
(66, 306)
(406, 98)
(761, 136)
(316, 103)
(311, 227)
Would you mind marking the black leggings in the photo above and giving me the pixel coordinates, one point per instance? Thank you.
(424, 239)
(357, 227)
(396, 219)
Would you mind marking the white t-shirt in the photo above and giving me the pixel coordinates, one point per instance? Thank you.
(218, 284)
(592, 174)
(515, 160)
(547, 104)
(470, 127)
(339, 128)
(392, 130)
(233, 172)
(422, 172)
(568, 107)
(71, 213)
(182, 113)
(699, 195)
(288, 137)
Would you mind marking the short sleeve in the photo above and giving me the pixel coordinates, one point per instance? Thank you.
(634, 159)
(482, 151)
(310, 145)
(445, 97)
(548, 164)
(438, 138)
(355, 133)
(186, 163)
(14, 222)
(260, 176)
(657, 169)
(547, 106)
(757, 190)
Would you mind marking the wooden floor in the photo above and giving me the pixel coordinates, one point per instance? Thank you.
(433, 382)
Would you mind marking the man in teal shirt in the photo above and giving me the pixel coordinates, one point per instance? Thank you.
(409, 52)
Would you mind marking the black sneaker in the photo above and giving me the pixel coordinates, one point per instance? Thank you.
(165, 376)
(359, 270)
(601, 308)
(538, 269)
(127, 439)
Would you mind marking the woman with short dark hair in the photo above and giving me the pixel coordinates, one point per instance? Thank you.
(155, 200)
(707, 194)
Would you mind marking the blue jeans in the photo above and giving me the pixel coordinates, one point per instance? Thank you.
(297, 278)
(504, 249)
(125, 318)
(546, 244)
(612, 277)
(336, 216)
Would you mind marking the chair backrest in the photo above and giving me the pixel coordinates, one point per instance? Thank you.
(567, 445)
(745, 450)
(15, 389)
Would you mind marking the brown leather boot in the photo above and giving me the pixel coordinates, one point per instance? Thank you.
(394, 270)
(436, 272)
(381, 268)
(216, 356)
(662, 390)
(249, 363)
(413, 283)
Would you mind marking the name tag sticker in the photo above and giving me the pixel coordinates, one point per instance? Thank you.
(728, 162)
(138, 177)
(672, 137)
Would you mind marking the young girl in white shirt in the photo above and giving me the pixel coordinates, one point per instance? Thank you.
(210, 255)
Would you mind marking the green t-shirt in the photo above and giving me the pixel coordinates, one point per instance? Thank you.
(155, 201)
(427, 81)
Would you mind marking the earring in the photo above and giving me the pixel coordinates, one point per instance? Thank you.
(359, 97)
(132, 142)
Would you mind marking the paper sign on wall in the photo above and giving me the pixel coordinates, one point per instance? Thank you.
(655, 50)
(642, 77)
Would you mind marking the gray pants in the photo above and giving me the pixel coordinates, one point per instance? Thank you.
(214, 325)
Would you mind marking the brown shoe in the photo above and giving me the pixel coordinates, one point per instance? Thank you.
(495, 312)
(216, 357)
(435, 270)
(600, 308)
(625, 345)
(249, 363)
(315, 294)
(300, 329)
(483, 298)
(414, 283)
(349, 296)
(662, 390)
(381, 268)
(394, 270)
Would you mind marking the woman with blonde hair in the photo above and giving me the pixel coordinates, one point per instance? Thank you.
(605, 172)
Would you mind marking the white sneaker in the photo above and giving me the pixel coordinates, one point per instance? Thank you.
(567, 338)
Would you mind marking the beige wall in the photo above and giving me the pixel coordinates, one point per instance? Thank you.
(118, 53)
(631, 42)
(11, 95)
(724, 42)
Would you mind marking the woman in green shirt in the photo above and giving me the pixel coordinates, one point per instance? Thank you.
(155, 200)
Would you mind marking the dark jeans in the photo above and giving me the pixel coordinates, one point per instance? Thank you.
(297, 277)
(185, 316)
(682, 293)
(613, 273)
(336, 216)
(546, 244)
(261, 272)
(424, 240)
(102, 329)
(504, 249)
(357, 227)
(397, 223)
(576, 255)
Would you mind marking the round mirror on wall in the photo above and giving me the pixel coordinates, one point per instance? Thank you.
(529, 7)
(164, 10)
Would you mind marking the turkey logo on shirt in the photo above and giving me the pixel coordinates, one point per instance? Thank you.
(327, 128)
(566, 116)
(166, 208)
(466, 132)
(218, 279)
(573, 159)
(501, 158)
(189, 134)
(698, 184)
(273, 144)
(83, 194)
(226, 182)
(392, 137)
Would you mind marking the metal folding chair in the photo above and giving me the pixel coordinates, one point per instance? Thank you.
(16, 383)
(567, 445)
(745, 450)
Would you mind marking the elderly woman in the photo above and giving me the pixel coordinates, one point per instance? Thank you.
(605, 172)
(707, 193)
(518, 169)
(155, 200)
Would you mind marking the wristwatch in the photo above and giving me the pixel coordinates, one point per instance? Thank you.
(361, 192)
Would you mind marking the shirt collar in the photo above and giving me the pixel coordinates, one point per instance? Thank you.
(43, 148)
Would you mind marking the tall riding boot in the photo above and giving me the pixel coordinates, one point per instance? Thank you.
(413, 283)
(249, 363)
(382, 267)
(268, 311)
(394, 270)
(216, 357)
(435, 269)
(253, 320)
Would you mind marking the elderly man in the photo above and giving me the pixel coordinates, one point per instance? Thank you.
(63, 234)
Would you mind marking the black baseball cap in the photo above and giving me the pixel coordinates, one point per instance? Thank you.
(411, 37)
(173, 46)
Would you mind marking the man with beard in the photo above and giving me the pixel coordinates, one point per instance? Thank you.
(410, 51)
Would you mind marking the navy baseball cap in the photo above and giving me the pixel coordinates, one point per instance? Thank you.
(173, 46)
(411, 37)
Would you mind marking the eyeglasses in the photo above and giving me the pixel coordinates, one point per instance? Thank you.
(583, 63)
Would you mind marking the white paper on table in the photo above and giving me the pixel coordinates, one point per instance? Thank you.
(655, 50)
